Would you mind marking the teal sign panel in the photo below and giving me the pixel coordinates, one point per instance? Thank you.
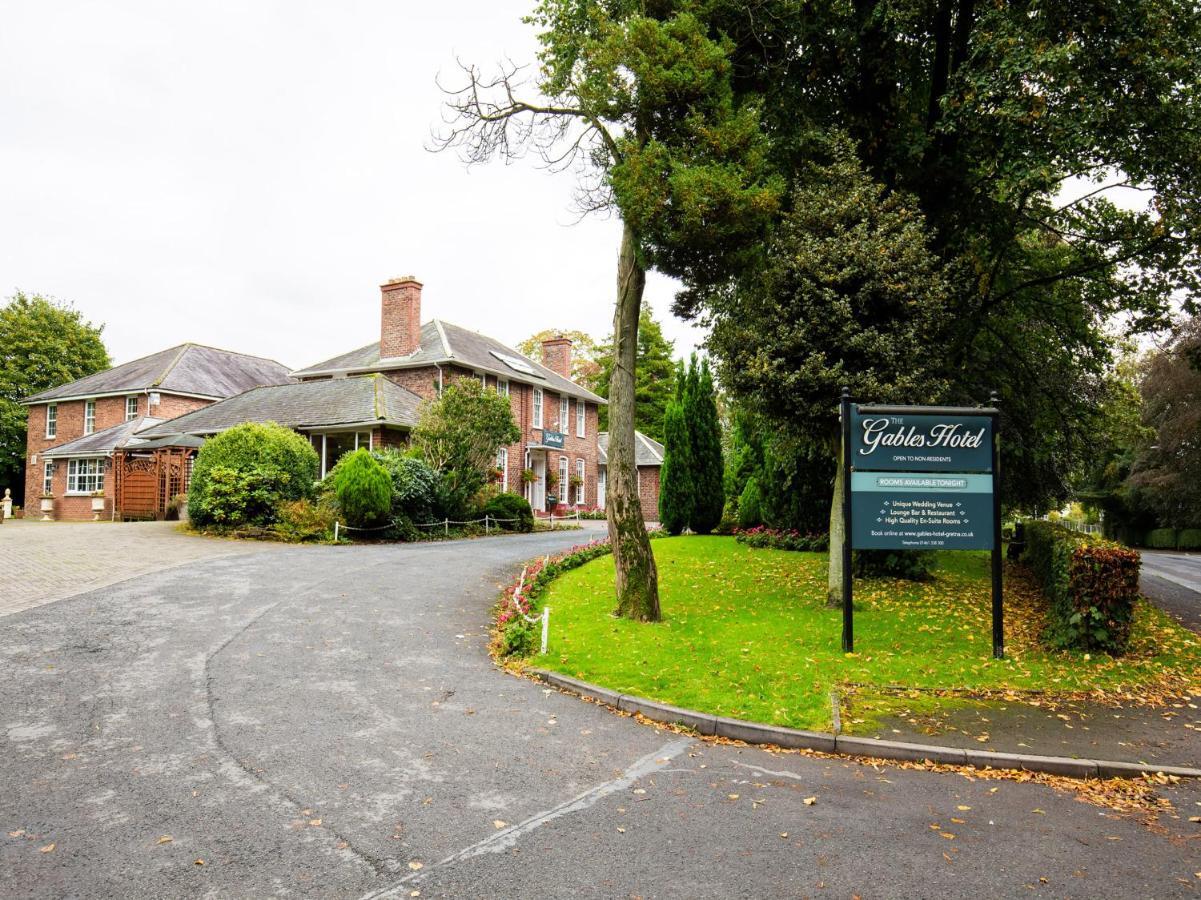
(920, 443)
(921, 511)
(552, 438)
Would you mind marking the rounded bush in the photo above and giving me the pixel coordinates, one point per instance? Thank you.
(510, 506)
(242, 475)
(415, 486)
(363, 488)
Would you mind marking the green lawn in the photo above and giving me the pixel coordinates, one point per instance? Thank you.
(746, 634)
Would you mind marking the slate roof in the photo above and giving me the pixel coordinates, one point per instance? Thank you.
(647, 451)
(308, 404)
(186, 369)
(443, 343)
(102, 441)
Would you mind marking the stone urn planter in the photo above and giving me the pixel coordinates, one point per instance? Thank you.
(97, 507)
(47, 508)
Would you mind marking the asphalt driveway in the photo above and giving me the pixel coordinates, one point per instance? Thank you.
(1173, 581)
(325, 722)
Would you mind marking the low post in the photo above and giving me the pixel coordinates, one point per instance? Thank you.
(446, 527)
(998, 614)
(336, 524)
(848, 615)
(545, 627)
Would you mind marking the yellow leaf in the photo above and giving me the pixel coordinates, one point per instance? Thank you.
(809, 801)
(165, 839)
(199, 862)
(732, 796)
(414, 865)
(963, 808)
(47, 848)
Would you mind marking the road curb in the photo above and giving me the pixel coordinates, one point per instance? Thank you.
(871, 748)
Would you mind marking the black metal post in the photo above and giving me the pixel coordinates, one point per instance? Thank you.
(998, 623)
(848, 623)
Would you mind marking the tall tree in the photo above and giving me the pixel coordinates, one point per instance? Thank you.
(45, 343)
(704, 431)
(585, 354)
(677, 494)
(654, 378)
(850, 296)
(642, 98)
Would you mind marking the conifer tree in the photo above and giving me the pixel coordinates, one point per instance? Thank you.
(675, 481)
(708, 495)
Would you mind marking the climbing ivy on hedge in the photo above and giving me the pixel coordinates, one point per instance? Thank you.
(1091, 586)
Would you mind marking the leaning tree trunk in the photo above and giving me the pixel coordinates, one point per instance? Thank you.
(837, 529)
(637, 577)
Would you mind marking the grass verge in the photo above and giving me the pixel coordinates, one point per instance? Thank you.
(746, 633)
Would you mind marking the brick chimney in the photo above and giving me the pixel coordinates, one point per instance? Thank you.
(556, 354)
(400, 318)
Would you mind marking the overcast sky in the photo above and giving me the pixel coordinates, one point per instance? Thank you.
(245, 175)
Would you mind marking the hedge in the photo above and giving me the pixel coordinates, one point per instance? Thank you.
(1161, 538)
(1091, 586)
(1188, 539)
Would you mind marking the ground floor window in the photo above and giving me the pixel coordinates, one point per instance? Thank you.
(332, 446)
(579, 488)
(562, 479)
(85, 476)
(502, 463)
(48, 478)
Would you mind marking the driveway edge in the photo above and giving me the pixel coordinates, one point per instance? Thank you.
(871, 748)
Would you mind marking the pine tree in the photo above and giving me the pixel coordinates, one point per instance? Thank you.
(708, 497)
(675, 482)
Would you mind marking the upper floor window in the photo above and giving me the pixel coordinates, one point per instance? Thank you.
(580, 409)
(89, 416)
(131, 408)
(564, 414)
(537, 413)
(51, 420)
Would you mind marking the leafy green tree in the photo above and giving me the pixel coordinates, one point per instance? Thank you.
(654, 378)
(585, 354)
(363, 488)
(458, 434)
(1168, 470)
(642, 98)
(45, 343)
(850, 296)
(243, 475)
(704, 432)
(676, 489)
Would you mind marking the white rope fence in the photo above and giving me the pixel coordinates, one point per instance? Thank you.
(545, 617)
(488, 520)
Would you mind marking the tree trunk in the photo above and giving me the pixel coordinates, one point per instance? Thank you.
(837, 530)
(637, 577)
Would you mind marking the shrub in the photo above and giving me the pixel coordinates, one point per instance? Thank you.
(414, 486)
(750, 505)
(508, 505)
(305, 520)
(913, 565)
(1161, 538)
(242, 475)
(363, 488)
(676, 488)
(1091, 586)
(778, 539)
(1189, 539)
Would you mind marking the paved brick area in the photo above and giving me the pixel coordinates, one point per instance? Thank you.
(46, 561)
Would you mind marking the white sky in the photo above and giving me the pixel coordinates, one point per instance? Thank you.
(245, 175)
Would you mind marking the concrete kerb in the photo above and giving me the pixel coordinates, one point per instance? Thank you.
(870, 748)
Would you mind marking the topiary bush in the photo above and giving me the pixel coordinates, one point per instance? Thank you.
(363, 488)
(1091, 586)
(509, 506)
(242, 475)
(1161, 538)
(1188, 539)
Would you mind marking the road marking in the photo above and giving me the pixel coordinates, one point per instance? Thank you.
(503, 840)
(763, 771)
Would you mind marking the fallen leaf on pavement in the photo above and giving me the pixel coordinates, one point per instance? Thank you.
(809, 801)
(17, 833)
(962, 808)
(199, 862)
(414, 865)
(165, 839)
(498, 824)
(47, 848)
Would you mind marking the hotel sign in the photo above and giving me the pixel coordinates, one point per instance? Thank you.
(553, 439)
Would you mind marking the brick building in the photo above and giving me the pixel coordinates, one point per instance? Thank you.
(75, 429)
(369, 397)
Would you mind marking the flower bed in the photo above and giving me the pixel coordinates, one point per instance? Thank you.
(780, 539)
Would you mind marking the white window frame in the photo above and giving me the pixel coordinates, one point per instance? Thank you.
(89, 416)
(562, 479)
(131, 414)
(527, 488)
(85, 476)
(536, 412)
(564, 414)
(483, 377)
(48, 477)
(579, 491)
(51, 420)
(580, 418)
(502, 462)
(502, 386)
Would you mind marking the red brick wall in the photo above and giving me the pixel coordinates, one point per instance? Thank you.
(400, 317)
(110, 411)
(648, 492)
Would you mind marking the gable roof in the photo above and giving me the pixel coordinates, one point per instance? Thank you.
(647, 451)
(442, 343)
(190, 369)
(101, 442)
(370, 400)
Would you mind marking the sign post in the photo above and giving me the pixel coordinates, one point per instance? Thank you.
(920, 478)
